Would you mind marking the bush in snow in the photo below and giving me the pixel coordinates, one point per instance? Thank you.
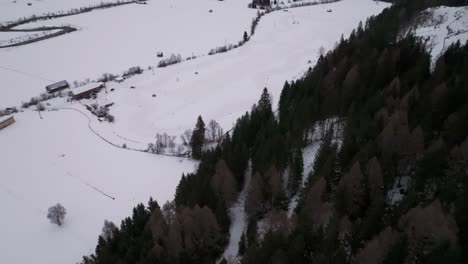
(173, 59)
(110, 118)
(56, 214)
(8, 110)
(106, 77)
(40, 107)
(133, 71)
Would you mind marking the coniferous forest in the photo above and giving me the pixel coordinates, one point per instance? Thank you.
(402, 123)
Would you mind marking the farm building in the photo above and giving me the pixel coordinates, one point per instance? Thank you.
(86, 91)
(55, 87)
(6, 121)
(119, 79)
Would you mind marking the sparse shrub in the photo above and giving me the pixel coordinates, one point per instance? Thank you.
(133, 71)
(110, 118)
(40, 107)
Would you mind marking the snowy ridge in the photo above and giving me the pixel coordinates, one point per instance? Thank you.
(442, 26)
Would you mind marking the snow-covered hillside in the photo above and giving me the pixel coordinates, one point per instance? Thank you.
(223, 86)
(442, 26)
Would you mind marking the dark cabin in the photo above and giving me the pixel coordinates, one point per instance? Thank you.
(58, 86)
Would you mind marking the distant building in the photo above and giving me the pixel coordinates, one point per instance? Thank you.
(55, 87)
(119, 79)
(86, 91)
(6, 121)
(160, 54)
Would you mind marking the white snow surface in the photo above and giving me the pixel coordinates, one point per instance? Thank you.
(52, 160)
(441, 27)
(398, 191)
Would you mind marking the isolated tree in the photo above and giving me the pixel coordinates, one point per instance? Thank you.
(198, 138)
(246, 37)
(56, 214)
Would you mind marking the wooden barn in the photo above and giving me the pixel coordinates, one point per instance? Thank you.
(86, 91)
(58, 86)
(6, 121)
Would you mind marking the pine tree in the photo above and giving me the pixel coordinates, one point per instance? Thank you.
(264, 104)
(198, 138)
(297, 169)
(246, 37)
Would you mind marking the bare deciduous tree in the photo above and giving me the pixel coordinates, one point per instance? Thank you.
(186, 136)
(108, 230)
(56, 214)
(215, 132)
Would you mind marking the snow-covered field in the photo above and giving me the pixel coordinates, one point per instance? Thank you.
(443, 26)
(52, 160)
(114, 39)
(59, 159)
(11, 10)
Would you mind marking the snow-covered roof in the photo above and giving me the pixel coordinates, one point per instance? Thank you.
(119, 79)
(87, 88)
(4, 118)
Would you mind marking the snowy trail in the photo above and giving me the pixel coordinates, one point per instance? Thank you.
(238, 220)
(309, 154)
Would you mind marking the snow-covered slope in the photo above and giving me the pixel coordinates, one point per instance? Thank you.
(58, 159)
(224, 86)
(114, 39)
(442, 26)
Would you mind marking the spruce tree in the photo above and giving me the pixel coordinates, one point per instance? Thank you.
(198, 138)
(297, 169)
